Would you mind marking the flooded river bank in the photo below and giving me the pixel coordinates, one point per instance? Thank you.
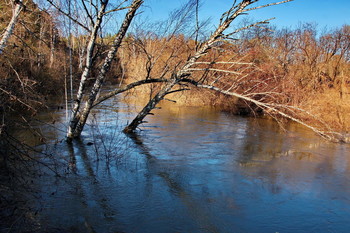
(190, 170)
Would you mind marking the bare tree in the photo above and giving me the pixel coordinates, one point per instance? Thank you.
(185, 73)
(203, 67)
(232, 77)
(17, 7)
(79, 116)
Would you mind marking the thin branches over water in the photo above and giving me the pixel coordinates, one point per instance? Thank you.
(173, 56)
(218, 64)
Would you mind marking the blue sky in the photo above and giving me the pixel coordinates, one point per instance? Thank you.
(326, 13)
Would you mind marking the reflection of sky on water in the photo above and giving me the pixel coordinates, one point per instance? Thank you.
(198, 170)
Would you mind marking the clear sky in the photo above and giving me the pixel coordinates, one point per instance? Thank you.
(326, 13)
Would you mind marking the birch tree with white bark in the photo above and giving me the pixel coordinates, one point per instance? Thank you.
(17, 6)
(81, 110)
(232, 77)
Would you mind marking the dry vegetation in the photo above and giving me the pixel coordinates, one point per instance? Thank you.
(35, 64)
(307, 69)
(300, 67)
(27, 66)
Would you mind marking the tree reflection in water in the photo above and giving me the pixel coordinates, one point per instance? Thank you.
(196, 170)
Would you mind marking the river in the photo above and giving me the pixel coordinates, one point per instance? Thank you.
(191, 169)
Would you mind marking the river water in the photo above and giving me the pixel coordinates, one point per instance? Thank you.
(192, 169)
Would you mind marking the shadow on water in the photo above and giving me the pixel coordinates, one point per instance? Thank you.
(193, 170)
(198, 214)
(80, 197)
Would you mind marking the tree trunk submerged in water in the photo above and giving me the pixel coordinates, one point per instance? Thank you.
(244, 72)
(89, 57)
(229, 75)
(186, 70)
(79, 119)
(149, 107)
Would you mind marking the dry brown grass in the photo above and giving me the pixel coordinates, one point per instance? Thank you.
(308, 72)
(331, 107)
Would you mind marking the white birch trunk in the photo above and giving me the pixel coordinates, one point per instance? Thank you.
(52, 45)
(90, 50)
(9, 30)
(185, 70)
(78, 120)
(105, 67)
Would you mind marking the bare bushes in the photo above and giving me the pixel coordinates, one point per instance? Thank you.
(27, 67)
(20, 168)
(301, 67)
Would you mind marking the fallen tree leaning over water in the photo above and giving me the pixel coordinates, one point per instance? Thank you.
(202, 69)
(231, 77)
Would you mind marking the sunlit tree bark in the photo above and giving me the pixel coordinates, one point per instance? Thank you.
(17, 8)
(188, 68)
(79, 116)
(199, 68)
(88, 65)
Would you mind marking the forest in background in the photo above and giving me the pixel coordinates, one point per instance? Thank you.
(308, 67)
